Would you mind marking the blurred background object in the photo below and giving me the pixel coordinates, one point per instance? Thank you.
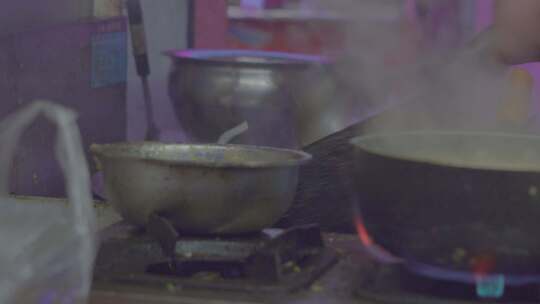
(60, 50)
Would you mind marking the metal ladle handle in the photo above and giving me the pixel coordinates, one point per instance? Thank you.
(142, 63)
(228, 136)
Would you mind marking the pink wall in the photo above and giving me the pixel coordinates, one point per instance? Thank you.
(210, 23)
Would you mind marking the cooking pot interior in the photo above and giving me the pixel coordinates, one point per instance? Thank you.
(492, 151)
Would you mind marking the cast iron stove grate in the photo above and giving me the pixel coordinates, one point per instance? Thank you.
(272, 261)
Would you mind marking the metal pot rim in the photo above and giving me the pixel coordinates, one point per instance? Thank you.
(267, 59)
(132, 151)
(358, 142)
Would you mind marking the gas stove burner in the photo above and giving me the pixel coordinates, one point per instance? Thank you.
(439, 273)
(270, 261)
(396, 283)
(268, 257)
(480, 285)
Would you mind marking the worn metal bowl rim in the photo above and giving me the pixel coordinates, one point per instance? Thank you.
(534, 168)
(213, 57)
(297, 157)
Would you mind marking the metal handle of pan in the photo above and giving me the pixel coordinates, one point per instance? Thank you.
(231, 134)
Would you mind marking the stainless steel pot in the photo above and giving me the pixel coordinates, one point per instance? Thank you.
(288, 100)
(201, 189)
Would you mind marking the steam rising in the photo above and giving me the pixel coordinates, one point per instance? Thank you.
(390, 66)
(386, 62)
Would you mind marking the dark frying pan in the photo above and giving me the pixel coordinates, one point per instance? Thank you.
(461, 201)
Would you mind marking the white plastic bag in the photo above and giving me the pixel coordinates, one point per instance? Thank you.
(47, 250)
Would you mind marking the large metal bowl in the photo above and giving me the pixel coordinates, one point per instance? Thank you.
(425, 195)
(289, 100)
(201, 189)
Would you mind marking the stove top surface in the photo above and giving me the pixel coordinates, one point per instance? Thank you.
(121, 277)
(255, 268)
